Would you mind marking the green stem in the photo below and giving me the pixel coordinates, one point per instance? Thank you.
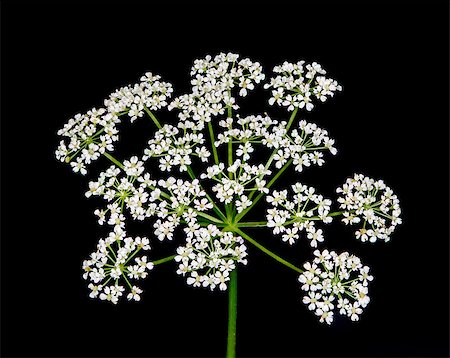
(209, 217)
(211, 135)
(152, 117)
(230, 156)
(274, 179)
(336, 213)
(291, 119)
(252, 224)
(165, 259)
(114, 160)
(267, 251)
(232, 314)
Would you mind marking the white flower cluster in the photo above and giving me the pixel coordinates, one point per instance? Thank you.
(233, 186)
(374, 203)
(92, 134)
(335, 282)
(253, 129)
(289, 217)
(212, 82)
(151, 94)
(175, 149)
(113, 261)
(209, 256)
(89, 135)
(296, 85)
(303, 146)
(166, 199)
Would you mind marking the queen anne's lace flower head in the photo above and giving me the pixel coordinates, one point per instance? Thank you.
(209, 256)
(245, 178)
(371, 202)
(213, 81)
(297, 84)
(87, 137)
(335, 283)
(115, 261)
(149, 94)
(210, 138)
(289, 216)
(176, 148)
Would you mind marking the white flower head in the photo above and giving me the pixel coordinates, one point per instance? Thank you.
(335, 284)
(370, 204)
(209, 256)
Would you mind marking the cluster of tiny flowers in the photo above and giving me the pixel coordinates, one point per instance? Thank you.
(288, 217)
(251, 129)
(88, 136)
(175, 148)
(335, 283)
(182, 195)
(212, 82)
(92, 134)
(374, 203)
(149, 94)
(118, 191)
(303, 146)
(166, 199)
(113, 261)
(233, 186)
(296, 85)
(209, 255)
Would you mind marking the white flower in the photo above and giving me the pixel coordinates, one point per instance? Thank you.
(315, 236)
(133, 167)
(242, 204)
(134, 294)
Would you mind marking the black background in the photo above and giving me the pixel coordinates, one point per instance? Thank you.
(390, 122)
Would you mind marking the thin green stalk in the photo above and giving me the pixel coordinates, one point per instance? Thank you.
(291, 119)
(232, 315)
(335, 213)
(114, 160)
(267, 251)
(230, 157)
(211, 135)
(165, 259)
(274, 179)
(252, 224)
(209, 217)
(153, 117)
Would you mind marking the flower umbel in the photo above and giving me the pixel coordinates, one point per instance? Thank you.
(335, 283)
(372, 203)
(198, 177)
